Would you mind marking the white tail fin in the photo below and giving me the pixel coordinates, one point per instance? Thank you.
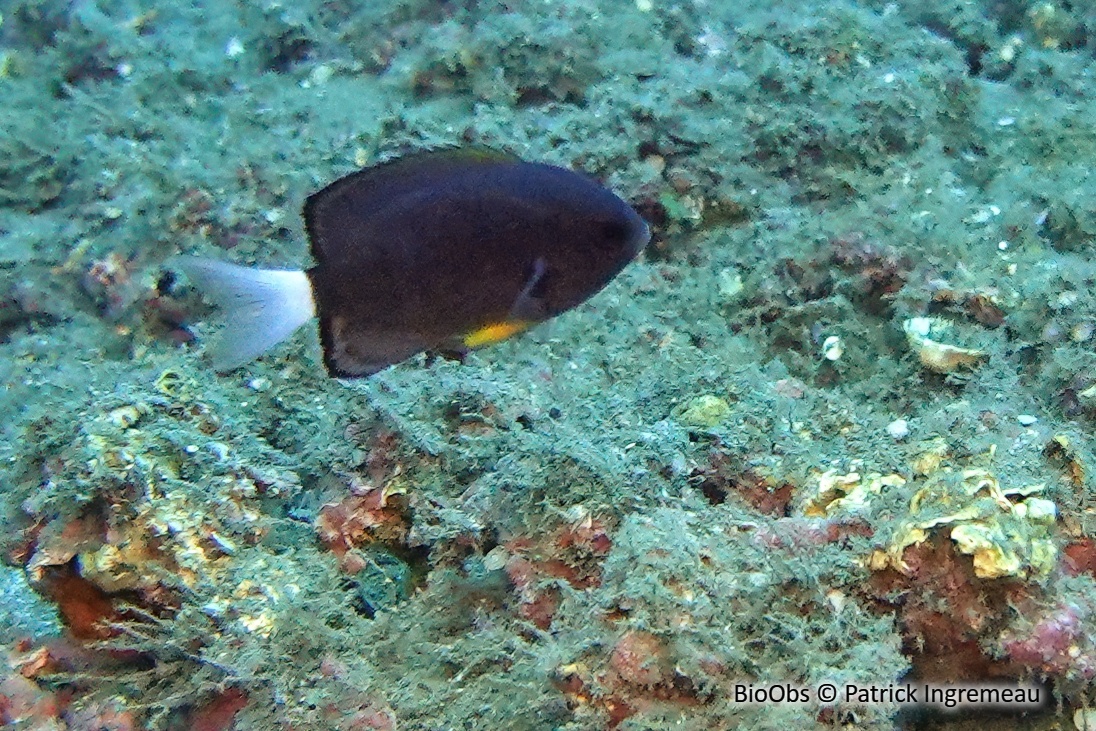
(262, 306)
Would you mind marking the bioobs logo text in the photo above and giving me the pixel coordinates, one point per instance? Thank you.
(775, 694)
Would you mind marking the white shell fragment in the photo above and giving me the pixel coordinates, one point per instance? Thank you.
(898, 429)
(923, 334)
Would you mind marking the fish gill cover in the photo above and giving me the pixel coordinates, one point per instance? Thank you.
(834, 425)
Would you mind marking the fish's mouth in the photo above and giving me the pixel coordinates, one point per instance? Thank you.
(641, 237)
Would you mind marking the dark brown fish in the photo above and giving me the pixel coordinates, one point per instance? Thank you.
(449, 250)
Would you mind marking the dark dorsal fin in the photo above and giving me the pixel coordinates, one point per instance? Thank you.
(371, 188)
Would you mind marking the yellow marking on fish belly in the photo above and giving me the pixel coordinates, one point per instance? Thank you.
(493, 333)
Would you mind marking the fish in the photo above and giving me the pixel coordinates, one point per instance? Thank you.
(442, 250)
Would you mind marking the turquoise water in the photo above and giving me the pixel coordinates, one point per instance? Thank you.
(833, 425)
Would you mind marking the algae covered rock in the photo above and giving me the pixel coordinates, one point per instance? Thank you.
(705, 411)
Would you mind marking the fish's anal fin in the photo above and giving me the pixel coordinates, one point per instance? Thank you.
(351, 351)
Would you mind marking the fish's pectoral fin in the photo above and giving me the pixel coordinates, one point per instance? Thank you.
(530, 305)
